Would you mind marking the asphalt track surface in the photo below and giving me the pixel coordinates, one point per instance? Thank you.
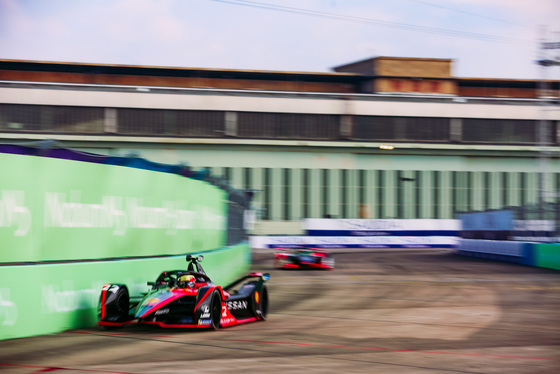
(379, 311)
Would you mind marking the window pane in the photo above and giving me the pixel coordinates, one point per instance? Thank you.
(287, 126)
(382, 128)
(48, 118)
(501, 131)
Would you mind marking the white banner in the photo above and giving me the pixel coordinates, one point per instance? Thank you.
(381, 224)
(354, 241)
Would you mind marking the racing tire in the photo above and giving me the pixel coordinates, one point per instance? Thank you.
(216, 310)
(118, 308)
(258, 299)
(261, 307)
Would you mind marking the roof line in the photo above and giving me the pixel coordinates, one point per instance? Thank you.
(178, 68)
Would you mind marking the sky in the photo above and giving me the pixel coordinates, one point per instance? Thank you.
(484, 38)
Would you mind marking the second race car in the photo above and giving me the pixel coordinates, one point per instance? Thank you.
(303, 257)
(186, 299)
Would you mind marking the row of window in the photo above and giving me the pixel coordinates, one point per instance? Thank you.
(195, 123)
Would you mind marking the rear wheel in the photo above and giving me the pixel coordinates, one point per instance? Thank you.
(216, 310)
(261, 303)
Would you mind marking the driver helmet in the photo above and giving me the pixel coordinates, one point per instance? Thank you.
(186, 281)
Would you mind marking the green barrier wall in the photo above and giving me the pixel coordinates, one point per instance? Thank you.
(547, 255)
(61, 210)
(53, 209)
(44, 299)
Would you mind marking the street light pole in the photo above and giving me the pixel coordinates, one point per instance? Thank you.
(544, 124)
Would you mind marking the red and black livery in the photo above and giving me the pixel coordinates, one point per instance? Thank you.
(303, 258)
(201, 305)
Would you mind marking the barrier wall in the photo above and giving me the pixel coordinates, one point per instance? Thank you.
(509, 251)
(53, 209)
(547, 255)
(532, 254)
(369, 233)
(381, 227)
(497, 235)
(48, 298)
(354, 242)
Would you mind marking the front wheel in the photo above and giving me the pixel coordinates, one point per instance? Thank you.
(116, 306)
(216, 310)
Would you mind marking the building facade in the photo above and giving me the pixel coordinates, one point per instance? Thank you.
(381, 138)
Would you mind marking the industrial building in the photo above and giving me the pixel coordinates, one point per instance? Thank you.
(387, 137)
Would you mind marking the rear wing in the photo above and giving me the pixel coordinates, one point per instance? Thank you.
(263, 277)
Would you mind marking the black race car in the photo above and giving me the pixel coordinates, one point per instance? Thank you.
(186, 299)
